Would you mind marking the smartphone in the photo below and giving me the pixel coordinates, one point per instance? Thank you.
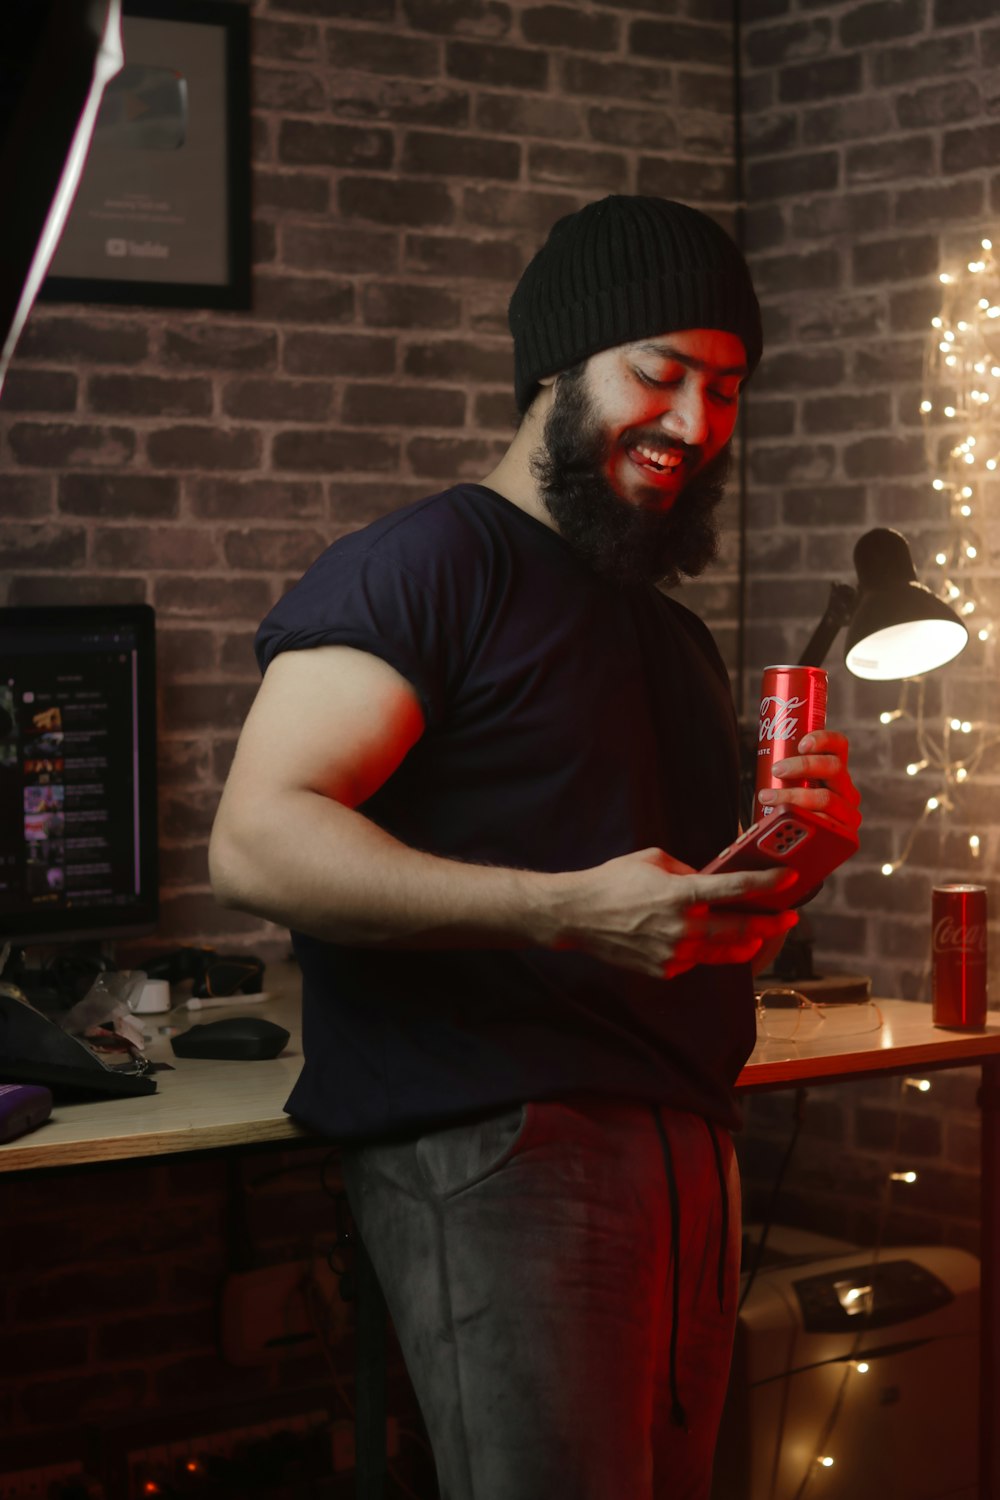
(799, 839)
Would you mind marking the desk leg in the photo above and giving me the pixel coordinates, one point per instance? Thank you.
(989, 1289)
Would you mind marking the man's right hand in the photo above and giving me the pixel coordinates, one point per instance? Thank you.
(650, 912)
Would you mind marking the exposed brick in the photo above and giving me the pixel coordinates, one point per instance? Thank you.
(403, 406)
(764, 228)
(143, 496)
(966, 150)
(46, 1349)
(888, 161)
(287, 89)
(68, 340)
(39, 390)
(299, 192)
(339, 248)
(847, 413)
(842, 213)
(232, 499)
(497, 66)
(340, 353)
(149, 396)
(680, 42)
(236, 658)
(47, 545)
(178, 654)
(308, 452)
(361, 10)
(882, 21)
(265, 400)
(301, 299)
(273, 549)
(811, 270)
(190, 917)
(42, 589)
(368, 96)
(894, 260)
(453, 458)
(847, 120)
(591, 169)
(514, 208)
(218, 346)
(884, 457)
(820, 80)
(354, 502)
(642, 128)
(454, 359)
(410, 203)
(483, 18)
(154, 1334)
(951, 202)
(787, 176)
(793, 464)
(770, 132)
(712, 91)
(312, 143)
(205, 448)
(517, 114)
(938, 104)
(460, 156)
(408, 304)
(766, 46)
(281, 41)
(54, 445)
(165, 548)
(607, 77)
(495, 411)
(568, 26)
(911, 310)
(454, 255)
(963, 12)
(68, 1294)
(26, 496)
(263, 242)
(383, 51)
(824, 505)
(772, 419)
(226, 599)
(887, 363)
(930, 58)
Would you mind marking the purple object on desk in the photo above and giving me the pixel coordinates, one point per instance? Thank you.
(23, 1107)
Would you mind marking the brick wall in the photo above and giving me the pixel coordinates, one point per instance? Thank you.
(872, 145)
(409, 156)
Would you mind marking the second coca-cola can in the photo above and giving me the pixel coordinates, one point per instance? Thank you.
(792, 703)
(958, 950)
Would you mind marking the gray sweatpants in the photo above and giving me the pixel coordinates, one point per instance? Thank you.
(528, 1263)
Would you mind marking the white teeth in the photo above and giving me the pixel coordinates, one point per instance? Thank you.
(665, 460)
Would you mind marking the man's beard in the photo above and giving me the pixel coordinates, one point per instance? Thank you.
(623, 541)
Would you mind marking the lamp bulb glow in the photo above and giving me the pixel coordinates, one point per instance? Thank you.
(986, 244)
(949, 411)
(862, 1367)
(941, 559)
(932, 804)
(984, 634)
(888, 869)
(922, 1085)
(965, 510)
(974, 843)
(826, 1461)
(926, 406)
(903, 1176)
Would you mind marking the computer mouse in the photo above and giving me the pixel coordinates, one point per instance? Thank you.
(241, 1038)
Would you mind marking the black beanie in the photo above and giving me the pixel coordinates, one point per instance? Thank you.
(625, 269)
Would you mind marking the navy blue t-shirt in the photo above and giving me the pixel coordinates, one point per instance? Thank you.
(568, 720)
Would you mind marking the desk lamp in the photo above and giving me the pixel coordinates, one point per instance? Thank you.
(896, 626)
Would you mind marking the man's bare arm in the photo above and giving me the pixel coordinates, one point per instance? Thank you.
(329, 726)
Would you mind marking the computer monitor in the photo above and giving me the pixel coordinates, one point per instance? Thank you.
(78, 838)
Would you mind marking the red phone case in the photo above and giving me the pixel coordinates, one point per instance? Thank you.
(802, 840)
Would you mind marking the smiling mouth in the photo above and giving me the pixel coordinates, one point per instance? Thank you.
(657, 462)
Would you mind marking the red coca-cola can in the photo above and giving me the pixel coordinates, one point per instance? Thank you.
(792, 703)
(958, 923)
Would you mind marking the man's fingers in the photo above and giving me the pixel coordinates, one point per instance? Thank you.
(716, 889)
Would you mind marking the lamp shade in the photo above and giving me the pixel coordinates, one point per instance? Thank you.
(900, 628)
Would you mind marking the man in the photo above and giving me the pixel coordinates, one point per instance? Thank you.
(487, 759)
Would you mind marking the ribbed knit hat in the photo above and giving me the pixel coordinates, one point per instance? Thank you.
(622, 269)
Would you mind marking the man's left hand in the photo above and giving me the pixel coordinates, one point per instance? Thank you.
(822, 758)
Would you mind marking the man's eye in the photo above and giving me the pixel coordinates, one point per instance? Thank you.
(725, 398)
(659, 385)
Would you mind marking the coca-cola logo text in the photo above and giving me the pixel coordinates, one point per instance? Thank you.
(778, 719)
(950, 935)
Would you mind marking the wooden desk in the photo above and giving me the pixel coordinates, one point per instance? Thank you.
(203, 1105)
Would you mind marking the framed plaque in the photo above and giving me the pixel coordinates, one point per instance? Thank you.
(162, 213)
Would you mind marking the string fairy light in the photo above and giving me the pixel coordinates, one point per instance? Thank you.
(960, 412)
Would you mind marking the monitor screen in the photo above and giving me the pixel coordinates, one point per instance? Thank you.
(78, 848)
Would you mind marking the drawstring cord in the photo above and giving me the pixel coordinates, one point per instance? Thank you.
(677, 1413)
(720, 1277)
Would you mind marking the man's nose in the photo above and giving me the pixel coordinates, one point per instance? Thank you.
(686, 418)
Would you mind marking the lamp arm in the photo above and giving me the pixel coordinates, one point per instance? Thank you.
(839, 609)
